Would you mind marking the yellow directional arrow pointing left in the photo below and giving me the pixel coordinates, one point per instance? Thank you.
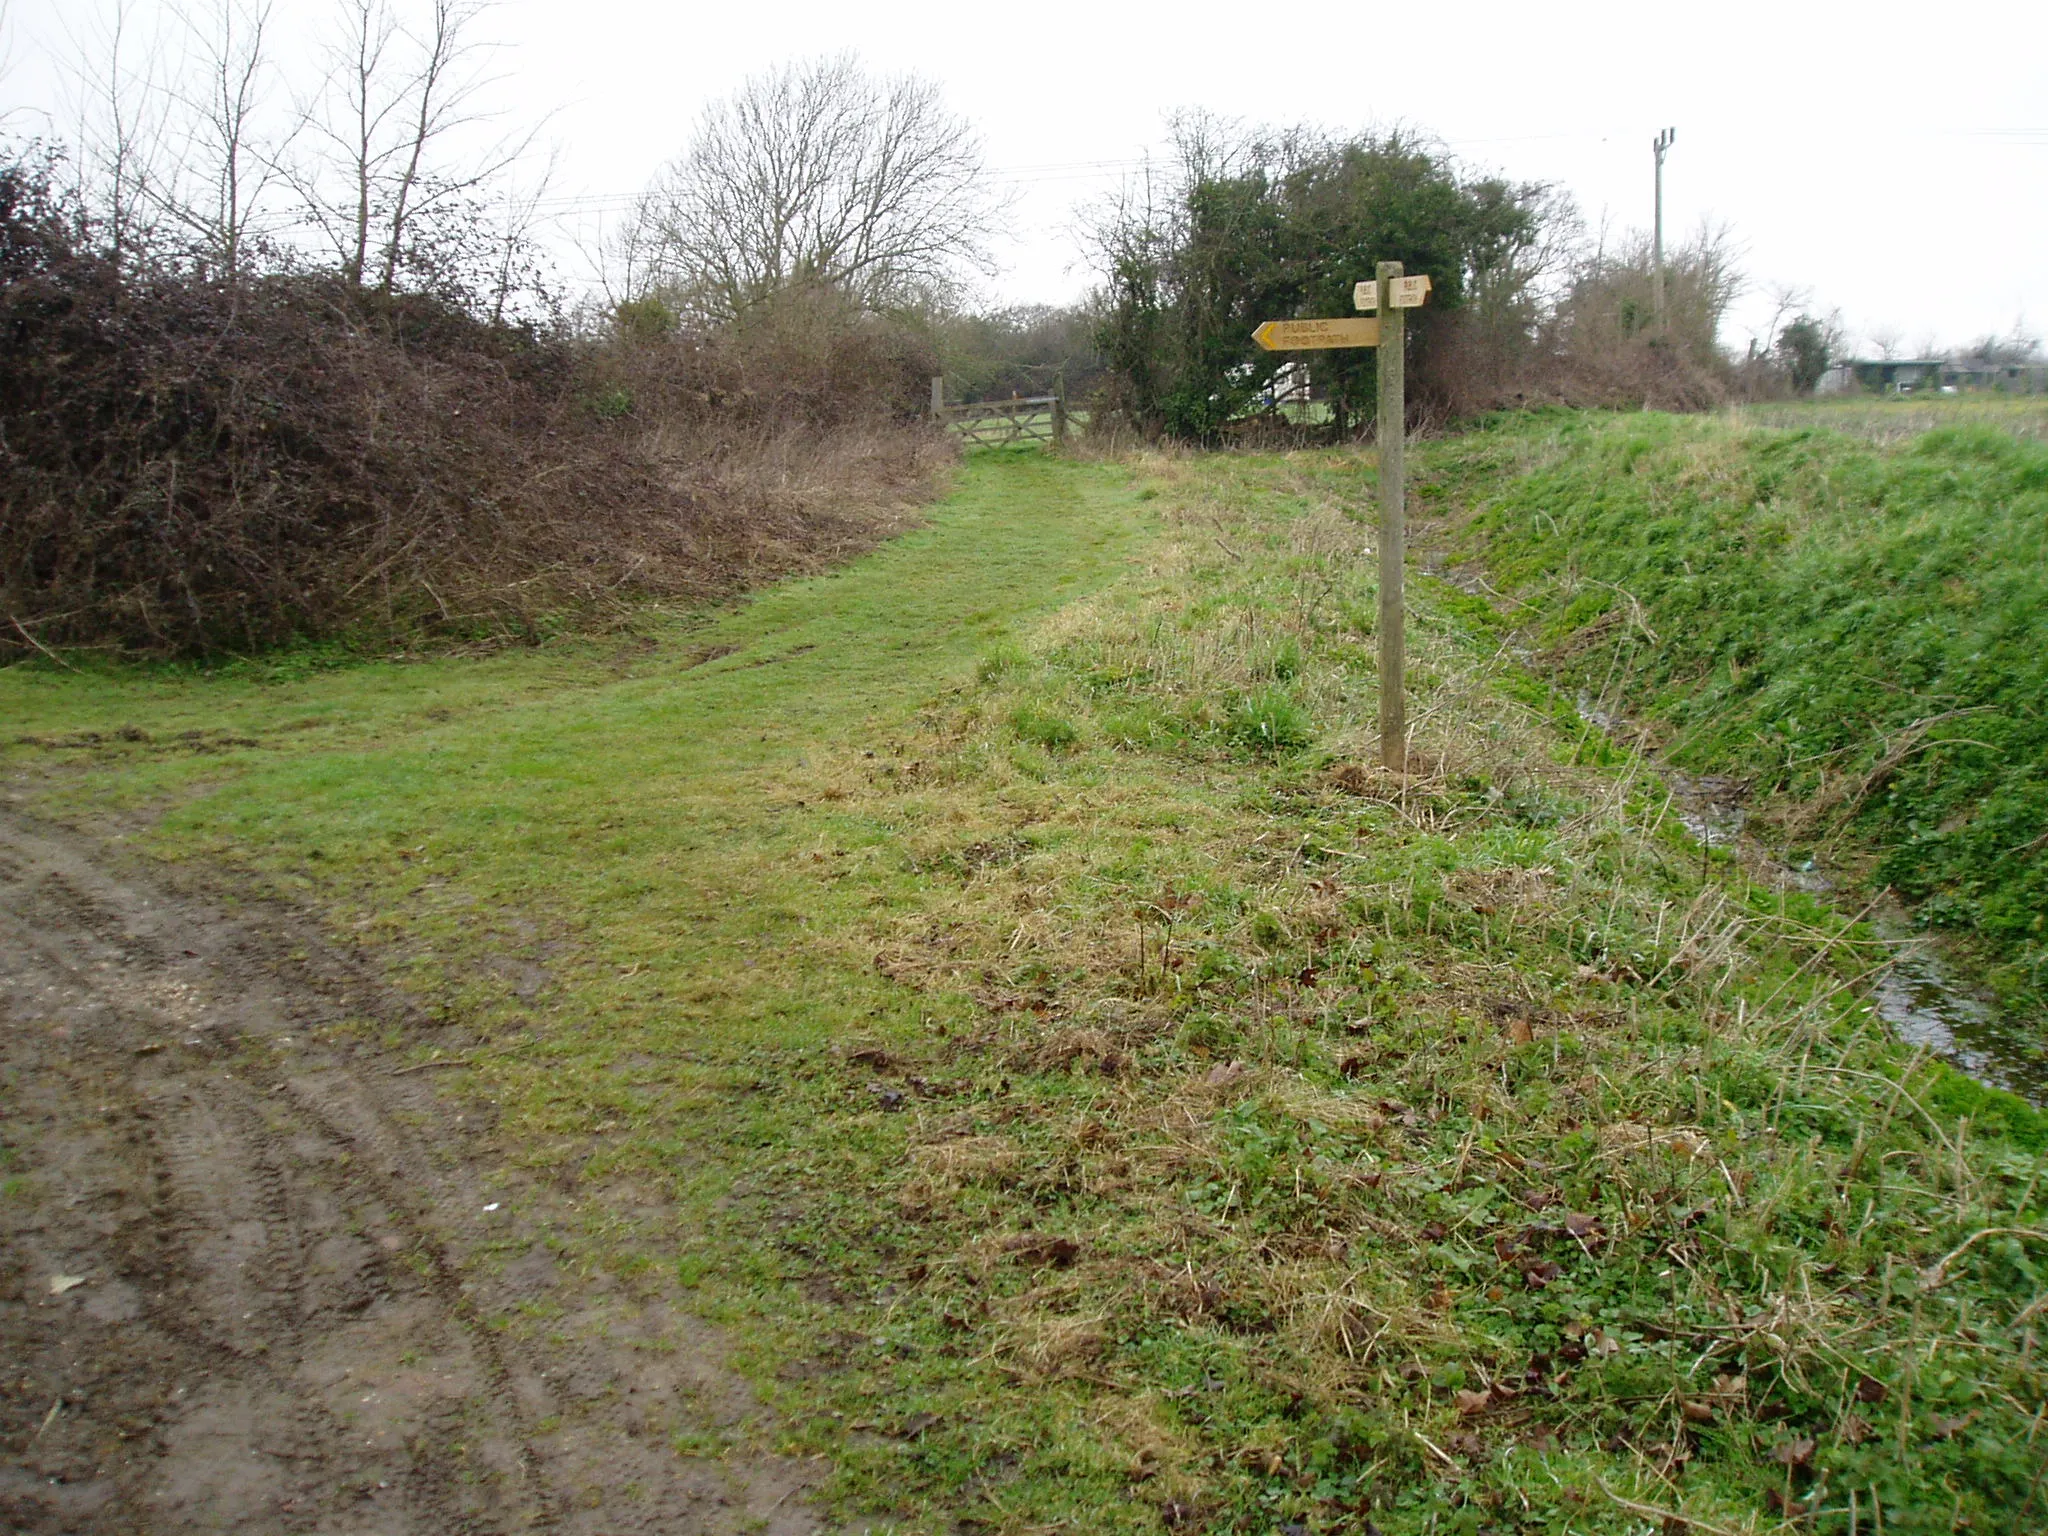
(1316, 335)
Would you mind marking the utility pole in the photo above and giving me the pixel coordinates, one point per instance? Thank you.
(1660, 144)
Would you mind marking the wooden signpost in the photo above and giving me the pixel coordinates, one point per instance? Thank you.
(1389, 293)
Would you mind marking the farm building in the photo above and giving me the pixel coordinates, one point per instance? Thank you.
(1916, 375)
(2027, 378)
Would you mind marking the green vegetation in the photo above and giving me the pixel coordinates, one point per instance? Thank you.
(1270, 227)
(1858, 627)
(987, 982)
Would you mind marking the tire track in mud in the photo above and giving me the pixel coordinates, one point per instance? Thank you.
(249, 1281)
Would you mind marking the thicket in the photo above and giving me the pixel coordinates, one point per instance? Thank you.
(284, 359)
(195, 463)
(1247, 227)
(1856, 628)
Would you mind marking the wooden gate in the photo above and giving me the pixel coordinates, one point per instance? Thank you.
(993, 423)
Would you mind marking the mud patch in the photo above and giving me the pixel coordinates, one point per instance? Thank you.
(248, 1280)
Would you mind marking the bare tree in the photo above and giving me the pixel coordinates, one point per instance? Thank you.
(513, 255)
(121, 113)
(1787, 300)
(817, 175)
(6, 56)
(2017, 345)
(1610, 302)
(392, 100)
(228, 166)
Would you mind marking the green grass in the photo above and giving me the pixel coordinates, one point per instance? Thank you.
(990, 983)
(1901, 418)
(1860, 628)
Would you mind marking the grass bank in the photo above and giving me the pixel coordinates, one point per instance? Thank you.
(1854, 625)
(990, 982)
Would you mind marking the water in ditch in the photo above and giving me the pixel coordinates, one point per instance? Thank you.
(1925, 1004)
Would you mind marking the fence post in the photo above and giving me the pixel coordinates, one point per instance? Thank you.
(1059, 411)
(938, 395)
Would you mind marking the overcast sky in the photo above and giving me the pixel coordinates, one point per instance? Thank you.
(1891, 159)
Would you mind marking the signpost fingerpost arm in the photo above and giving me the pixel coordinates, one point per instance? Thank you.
(1393, 530)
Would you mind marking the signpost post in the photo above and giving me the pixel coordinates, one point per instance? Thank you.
(1390, 293)
(1393, 440)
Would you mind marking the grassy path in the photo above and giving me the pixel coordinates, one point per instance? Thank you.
(596, 787)
(535, 741)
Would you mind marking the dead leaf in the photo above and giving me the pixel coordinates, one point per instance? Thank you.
(1520, 1032)
(1697, 1412)
(915, 1425)
(1224, 1073)
(1795, 1453)
(1582, 1227)
(59, 1284)
(1537, 1276)
(1473, 1402)
(1853, 1429)
(1870, 1391)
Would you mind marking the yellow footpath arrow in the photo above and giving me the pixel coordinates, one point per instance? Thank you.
(1316, 335)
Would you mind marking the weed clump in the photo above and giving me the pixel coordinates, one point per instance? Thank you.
(1269, 722)
(1043, 728)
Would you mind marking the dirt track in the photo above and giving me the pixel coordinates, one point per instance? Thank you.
(250, 1280)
